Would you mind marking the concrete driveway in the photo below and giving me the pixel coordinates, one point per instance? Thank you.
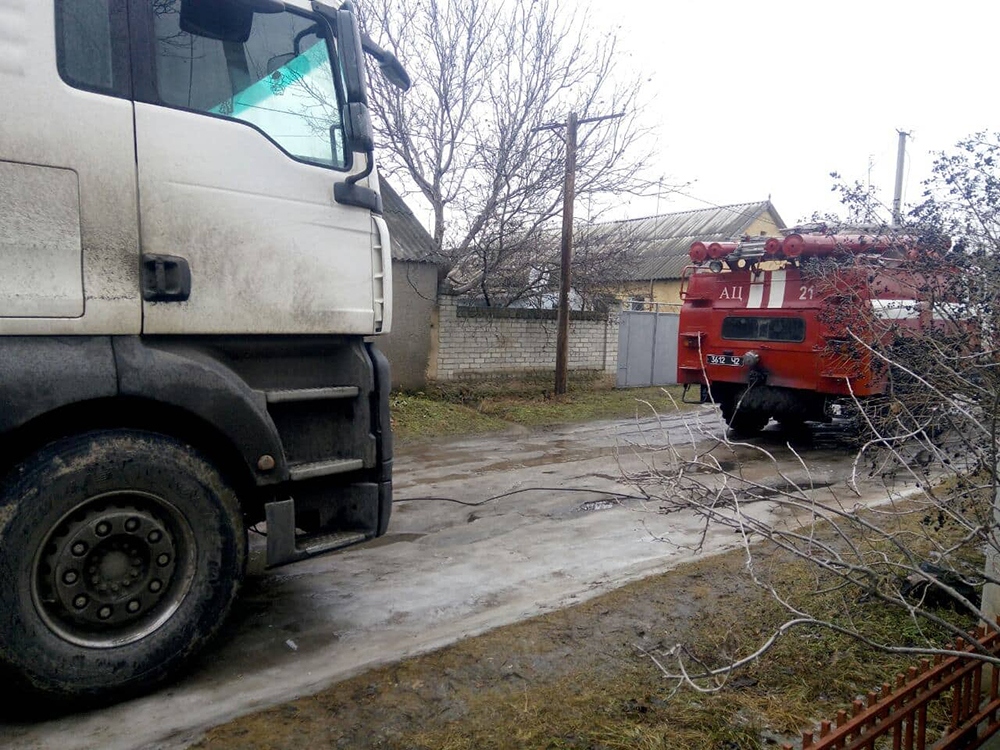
(443, 572)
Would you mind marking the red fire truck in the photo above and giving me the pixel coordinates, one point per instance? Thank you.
(786, 328)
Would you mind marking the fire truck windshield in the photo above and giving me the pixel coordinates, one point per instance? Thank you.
(746, 328)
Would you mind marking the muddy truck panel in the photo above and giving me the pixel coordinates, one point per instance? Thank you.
(196, 259)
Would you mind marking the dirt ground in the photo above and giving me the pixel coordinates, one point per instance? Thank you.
(455, 697)
(582, 677)
(543, 547)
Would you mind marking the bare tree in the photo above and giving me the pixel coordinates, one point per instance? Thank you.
(603, 256)
(930, 546)
(486, 75)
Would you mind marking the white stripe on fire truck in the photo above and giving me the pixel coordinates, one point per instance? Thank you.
(895, 309)
(776, 297)
(952, 311)
(756, 293)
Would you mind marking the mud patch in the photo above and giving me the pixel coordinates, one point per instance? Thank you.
(390, 538)
(593, 643)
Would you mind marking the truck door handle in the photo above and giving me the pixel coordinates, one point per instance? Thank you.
(165, 278)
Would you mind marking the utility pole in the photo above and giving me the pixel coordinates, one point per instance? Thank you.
(566, 246)
(566, 258)
(897, 196)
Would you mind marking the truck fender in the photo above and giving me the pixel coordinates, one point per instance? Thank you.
(182, 376)
(39, 374)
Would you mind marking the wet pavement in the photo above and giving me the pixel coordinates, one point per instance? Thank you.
(543, 520)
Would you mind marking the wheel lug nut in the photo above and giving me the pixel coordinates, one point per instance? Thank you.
(131, 525)
(79, 549)
(80, 602)
(155, 586)
(70, 577)
(163, 559)
(133, 606)
(104, 613)
(154, 537)
(103, 528)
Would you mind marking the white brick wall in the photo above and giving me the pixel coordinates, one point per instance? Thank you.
(476, 343)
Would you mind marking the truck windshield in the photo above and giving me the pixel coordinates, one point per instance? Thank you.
(752, 328)
(280, 80)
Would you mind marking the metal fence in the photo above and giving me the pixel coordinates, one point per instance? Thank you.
(647, 344)
(898, 718)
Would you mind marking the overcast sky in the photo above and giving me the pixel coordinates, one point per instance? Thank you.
(767, 98)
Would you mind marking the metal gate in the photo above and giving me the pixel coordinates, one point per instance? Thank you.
(647, 347)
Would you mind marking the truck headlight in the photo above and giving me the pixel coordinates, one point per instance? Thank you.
(751, 359)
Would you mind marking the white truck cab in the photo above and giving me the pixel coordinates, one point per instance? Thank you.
(192, 255)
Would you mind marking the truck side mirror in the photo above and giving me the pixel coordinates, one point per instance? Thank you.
(277, 62)
(351, 55)
(358, 127)
(224, 20)
(394, 72)
(263, 6)
(217, 19)
(389, 64)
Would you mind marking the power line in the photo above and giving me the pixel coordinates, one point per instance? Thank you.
(477, 503)
(743, 214)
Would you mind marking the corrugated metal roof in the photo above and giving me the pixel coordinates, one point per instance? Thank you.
(662, 242)
(410, 241)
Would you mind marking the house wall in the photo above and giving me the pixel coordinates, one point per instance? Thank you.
(668, 291)
(475, 342)
(410, 342)
(764, 226)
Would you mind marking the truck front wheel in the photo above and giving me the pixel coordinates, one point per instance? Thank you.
(121, 552)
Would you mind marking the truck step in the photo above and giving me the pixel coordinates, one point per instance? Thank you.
(298, 472)
(311, 394)
(285, 546)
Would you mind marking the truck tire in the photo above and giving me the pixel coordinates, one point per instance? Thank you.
(740, 420)
(793, 426)
(747, 422)
(121, 552)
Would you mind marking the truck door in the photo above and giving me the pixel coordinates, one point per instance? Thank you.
(68, 232)
(239, 143)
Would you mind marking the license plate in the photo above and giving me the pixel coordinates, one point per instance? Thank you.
(733, 360)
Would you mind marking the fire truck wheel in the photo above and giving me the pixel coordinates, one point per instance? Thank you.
(121, 552)
(747, 422)
(793, 426)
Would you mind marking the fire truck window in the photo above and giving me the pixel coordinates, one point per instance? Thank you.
(751, 328)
